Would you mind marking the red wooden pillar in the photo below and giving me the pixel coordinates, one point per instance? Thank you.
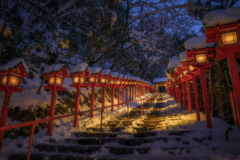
(103, 98)
(118, 97)
(205, 98)
(189, 102)
(52, 111)
(92, 101)
(77, 103)
(183, 96)
(233, 70)
(123, 96)
(4, 115)
(112, 108)
(195, 91)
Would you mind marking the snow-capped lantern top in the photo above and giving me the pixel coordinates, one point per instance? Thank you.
(79, 74)
(221, 17)
(82, 67)
(197, 43)
(224, 30)
(55, 74)
(11, 74)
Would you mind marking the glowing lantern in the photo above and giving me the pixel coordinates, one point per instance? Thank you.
(78, 74)
(55, 75)
(201, 58)
(103, 80)
(229, 38)
(191, 67)
(112, 81)
(10, 76)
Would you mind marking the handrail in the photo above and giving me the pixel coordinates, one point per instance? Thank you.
(33, 123)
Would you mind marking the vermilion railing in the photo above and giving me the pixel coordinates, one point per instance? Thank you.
(34, 123)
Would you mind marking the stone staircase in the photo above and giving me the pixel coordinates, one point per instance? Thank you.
(148, 142)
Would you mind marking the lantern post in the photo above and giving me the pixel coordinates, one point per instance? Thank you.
(194, 72)
(113, 85)
(78, 74)
(201, 57)
(187, 78)
(227, 37)
(95, 73)
(55, 75)
(10, 77)
(104, 83)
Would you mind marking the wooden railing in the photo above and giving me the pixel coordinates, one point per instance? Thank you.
(34, 123)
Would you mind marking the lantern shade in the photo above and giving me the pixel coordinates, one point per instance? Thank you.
(78, 79)
(92, 79)
(112, 81)
(190, 67)
(229, 38)
(103, 80)
(14, 80)
(118, 82)
(4, 80)
(51, 80)
(201, 58)
(59, 81)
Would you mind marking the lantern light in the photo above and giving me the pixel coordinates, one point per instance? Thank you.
(112, 81)
(58, 81)
(103, 80)
(51, 80)
(92, 79)
(201, 58)
(190, 67)
(118, 82)
(229, 38)
(4, 80)
(78, 79)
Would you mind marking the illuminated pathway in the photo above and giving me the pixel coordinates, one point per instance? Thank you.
(166, 132)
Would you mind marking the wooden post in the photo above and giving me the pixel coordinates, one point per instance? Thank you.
(205, 97)
(195, 91)
(188, 96)
(4, 115)
(103, 98)
(92, 101)
(233, 70)
(77, 103)
(112, 108)
(52, 111)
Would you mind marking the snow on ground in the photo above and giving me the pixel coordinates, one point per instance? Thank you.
(224, 137)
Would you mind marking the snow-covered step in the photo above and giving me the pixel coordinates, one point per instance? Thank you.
(94, 134)
(111, 129)
(67, 148)
(151, 157)
(50, 156)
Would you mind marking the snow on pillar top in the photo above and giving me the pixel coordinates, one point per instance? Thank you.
(197, 43)
(221, 17)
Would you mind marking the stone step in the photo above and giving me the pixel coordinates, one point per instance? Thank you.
(143, 129)
(47, 156)
(95, 134)
(151, 157)
(122, 141)
(111, 129)
(67, 148)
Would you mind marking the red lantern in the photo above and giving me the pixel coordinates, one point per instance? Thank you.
(55, 75)
(227, 37)
(10, 77)
(78, 74)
